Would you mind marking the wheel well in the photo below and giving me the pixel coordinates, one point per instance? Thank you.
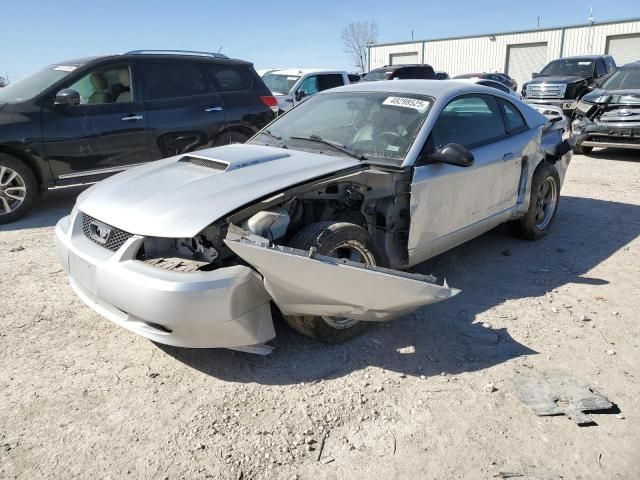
(241, 129)
(25, 158)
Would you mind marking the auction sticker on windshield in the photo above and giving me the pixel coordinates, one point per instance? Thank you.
(416, 104)
(65, 68)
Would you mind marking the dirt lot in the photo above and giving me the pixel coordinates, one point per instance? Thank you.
(82, 398)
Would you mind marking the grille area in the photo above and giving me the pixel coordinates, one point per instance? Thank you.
(205, 162)
(546, 90)
(621, 115)
(114, 240)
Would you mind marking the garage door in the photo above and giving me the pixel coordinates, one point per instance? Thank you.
(401, 58)
(525, 59)
(624, 48)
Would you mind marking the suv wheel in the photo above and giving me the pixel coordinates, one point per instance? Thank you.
(334, 239)
(18, 188)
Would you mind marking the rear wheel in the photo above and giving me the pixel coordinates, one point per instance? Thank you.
(580, 150)
(234, 137)
(543, 205)
(340, 240)
(18, 188)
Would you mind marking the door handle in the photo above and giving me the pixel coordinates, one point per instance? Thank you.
(213, 109)
(508, 156)
(131, 117)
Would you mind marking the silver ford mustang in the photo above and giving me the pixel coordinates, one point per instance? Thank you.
(320, 214)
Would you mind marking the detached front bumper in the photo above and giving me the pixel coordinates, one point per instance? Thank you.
(228, 307)
(614, 135)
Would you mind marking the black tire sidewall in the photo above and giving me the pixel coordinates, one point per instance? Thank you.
(528, 228)
(31, 186)
(324, 237)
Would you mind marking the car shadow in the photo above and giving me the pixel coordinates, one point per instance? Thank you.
(449, 336)
(48, 209)
(615, 154)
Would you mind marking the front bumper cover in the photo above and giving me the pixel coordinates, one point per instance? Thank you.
(227, 307)
(567, 105)
(591, 134)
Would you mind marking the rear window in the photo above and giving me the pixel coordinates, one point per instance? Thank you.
(228, 77)
(174, 80)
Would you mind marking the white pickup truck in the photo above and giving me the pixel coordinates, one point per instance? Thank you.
(293, 85)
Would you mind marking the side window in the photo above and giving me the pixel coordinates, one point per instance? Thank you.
(227, 78)
(310, 85)
(600, 68)
(110, 84)
(471, 120)
(515, 120)
(332, 80)
(173, 80)
(611, 65)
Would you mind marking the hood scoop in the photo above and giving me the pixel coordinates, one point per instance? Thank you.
(205, 162)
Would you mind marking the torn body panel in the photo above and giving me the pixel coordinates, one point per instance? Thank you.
(304, 283)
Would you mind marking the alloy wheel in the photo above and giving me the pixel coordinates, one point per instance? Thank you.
(13, 190)
(546, 201)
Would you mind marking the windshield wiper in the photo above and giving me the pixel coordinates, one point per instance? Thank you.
(337, 146)
(273, 136)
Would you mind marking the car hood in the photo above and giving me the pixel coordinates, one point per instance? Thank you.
(556, 79)
(618, 97)
(179, 196)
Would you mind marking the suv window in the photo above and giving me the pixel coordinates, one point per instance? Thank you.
(110, 84)
(227, 77)
(174, 80)
(611, 65)
(318, 83)
(515, 120)
(601, 69)
(471, 120)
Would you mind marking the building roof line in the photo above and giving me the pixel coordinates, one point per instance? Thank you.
(496, 34)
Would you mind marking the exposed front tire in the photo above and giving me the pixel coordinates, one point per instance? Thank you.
(18, 188)
(335, 239)
(543, 205)
(580, 150)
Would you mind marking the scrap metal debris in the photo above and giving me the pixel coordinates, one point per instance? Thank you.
(556, 393)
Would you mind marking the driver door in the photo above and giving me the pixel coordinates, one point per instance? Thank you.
(452, 204)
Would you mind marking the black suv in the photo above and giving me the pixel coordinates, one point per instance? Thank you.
(401, 72)
(81, 120)
(610, 116)
(564, 81)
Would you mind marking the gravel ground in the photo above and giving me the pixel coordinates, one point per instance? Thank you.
(427, 396)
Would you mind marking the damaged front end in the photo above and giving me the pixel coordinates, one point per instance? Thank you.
(608, 120)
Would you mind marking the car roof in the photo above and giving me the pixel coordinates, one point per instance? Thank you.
(401, 65)
(584, 57)
(635, 64)
(304, 71)
(432, 88)
(145, 56)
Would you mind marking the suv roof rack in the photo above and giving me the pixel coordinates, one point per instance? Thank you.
(177, 52)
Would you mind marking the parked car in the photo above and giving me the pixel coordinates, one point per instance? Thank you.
(81, 120)
(319, 213)
(502, 78)
(401, 72)
(564, 81)
(610, 116)
(490, 83)
(442, 76)
(292, 86)
(354, 77)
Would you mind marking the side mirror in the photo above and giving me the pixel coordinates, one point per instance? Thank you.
(452, 154)
(67, 97)
(535, 74)
(300, 94)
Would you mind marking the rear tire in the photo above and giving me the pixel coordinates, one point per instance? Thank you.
(18, 188)
(580, 150)
(543, 205)
(234, 137)
(337, 239)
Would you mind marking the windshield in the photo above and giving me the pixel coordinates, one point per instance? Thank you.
(367, 124)
(28, 87)
(574, 67)
(376, 75)
(279, 83)
(623, 79)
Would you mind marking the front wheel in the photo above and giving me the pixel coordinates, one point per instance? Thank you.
(18, 188)
(543, 204)
(340, 240)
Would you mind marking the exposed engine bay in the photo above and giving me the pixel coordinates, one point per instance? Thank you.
(373, 198)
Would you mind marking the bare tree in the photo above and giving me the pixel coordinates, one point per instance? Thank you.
(356, 39)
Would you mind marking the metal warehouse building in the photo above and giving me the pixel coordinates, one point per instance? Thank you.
(517, 53)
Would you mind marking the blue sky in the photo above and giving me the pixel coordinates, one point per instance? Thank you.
(270, 34)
